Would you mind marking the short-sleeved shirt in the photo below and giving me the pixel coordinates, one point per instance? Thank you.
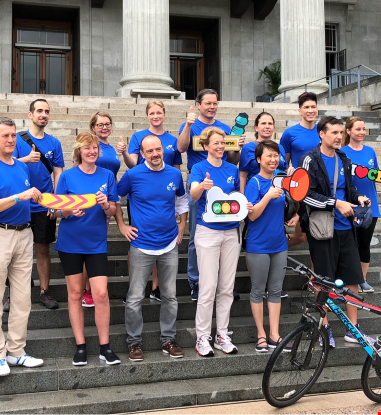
(86, 234)
(226, 177)
(152, 197)
(298, 141)
(197, 128)
(366, 158)
(108, 158)
(265, 235)
(15, 179)
(40, 178)
(171, 153)
(341, 223)
(249, 163)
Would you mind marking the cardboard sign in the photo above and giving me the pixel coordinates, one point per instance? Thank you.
(223, 207)
(362, 172)
(67, 202)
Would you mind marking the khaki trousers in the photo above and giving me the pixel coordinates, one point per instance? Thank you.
(217, 258)
(16, 260)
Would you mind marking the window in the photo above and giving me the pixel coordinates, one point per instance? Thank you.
(331, 41)
(42, 36)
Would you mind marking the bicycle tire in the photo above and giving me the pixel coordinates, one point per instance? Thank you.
(371, 381)
(282, 387)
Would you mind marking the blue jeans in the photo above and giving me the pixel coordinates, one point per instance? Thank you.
(193, 274)
(141, 266)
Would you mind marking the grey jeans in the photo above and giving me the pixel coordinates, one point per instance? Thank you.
(141, 266)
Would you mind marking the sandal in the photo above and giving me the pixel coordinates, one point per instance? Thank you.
(261, 349)
(273, 344)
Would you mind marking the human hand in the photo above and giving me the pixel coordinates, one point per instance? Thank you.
(207, 184)
(181, 227)
(34, 156)
(191, 117)
(249, 207)
(363, 200)
(274, 193)
(241, 141)
(293, 221)
(290, 170)
(128, 232)
(31, 193)
(345, 208)
(101, 199)
(121, 146)
(77, 213)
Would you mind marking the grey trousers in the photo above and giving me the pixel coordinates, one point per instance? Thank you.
(141, 266)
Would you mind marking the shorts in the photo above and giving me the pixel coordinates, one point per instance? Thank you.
(44, 229)
(96, 264)
(337, 258)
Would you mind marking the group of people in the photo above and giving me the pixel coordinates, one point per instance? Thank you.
(158, 207)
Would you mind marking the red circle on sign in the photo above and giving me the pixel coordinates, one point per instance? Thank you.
(234, 207)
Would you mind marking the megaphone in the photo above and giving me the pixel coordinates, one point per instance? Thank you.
(297, 184)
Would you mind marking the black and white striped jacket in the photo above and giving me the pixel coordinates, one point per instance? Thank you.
(319, 196)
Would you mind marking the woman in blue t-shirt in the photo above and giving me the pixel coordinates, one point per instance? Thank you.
(82, 240)
(266, 244)
(354, 134)
(218, 245)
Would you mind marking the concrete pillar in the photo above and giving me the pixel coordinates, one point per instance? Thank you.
(302, 28)
(145, 46)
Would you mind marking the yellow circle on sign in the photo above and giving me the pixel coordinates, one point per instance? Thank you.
(226, 208)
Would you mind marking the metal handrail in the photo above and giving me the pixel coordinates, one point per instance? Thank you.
(358, 74)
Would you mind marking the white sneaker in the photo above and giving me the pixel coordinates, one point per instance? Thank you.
(224, 343)
(203, 346)
(26, 361)
(4, 368)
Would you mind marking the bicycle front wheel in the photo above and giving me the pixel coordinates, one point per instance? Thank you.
(290, 375)
(371, 381)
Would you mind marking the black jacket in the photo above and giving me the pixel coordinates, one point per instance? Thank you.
(319, 196)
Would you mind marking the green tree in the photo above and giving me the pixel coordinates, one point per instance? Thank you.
(272, 75)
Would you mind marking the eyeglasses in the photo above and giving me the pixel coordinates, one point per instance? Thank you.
(107, 125)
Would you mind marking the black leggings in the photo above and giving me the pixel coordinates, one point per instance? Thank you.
(364, 236)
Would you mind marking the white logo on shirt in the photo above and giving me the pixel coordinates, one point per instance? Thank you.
(281, 157)
(171, 186)
(342, 171)
(117, 157)
(27, 183)
(230, 179)
(49, 155)
(103, 188)
(371, 162)
(170, 147)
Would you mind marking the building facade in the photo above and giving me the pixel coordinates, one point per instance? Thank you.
(121, 47)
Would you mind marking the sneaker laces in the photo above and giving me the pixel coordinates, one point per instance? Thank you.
(135, 347)
(204, 340)
(226, 339)
(171, 344)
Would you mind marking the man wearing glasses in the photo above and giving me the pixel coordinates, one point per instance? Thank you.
(207, 105)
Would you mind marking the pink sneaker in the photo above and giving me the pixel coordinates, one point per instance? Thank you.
(87, 299)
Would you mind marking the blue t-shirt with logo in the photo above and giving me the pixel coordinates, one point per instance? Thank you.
(249, 163)
(171, 153)
(39, 175)
(197, 128)
(15, 179)
(86, 234)
(298, 141)
(366, 158)
(152, 197)
(265, 235)
(108, 158)
(341, 223)
(226, 177)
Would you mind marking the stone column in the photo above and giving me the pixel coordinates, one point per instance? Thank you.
(145, 46)
(302, 32)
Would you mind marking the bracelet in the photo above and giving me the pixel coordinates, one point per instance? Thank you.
(107, 208)
(62, 216)
(16, 199)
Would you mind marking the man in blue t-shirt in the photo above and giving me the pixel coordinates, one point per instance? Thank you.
(207, 105)
(16, 249)
(43, 223)
(156, 192)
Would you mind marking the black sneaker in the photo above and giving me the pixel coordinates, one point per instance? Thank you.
(109, 357)
(236, 295)
(155, 294)
(48, 301)
(80, 358)
(7, 305)
(194, 291)
(283, 294)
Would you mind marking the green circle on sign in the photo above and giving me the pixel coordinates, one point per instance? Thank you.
(216, 208)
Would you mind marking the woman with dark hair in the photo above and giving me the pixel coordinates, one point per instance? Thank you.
(266, 244)
(353, 135)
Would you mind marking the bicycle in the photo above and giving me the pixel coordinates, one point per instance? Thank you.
(289, 376)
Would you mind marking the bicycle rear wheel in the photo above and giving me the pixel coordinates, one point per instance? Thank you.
(290, 375)
(371, 381)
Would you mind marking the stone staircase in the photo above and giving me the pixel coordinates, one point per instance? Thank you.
(158, 381)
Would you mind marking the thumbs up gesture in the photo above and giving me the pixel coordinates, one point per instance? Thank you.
(191, 118)
(34, 156)
(122, 146)
(207, 184)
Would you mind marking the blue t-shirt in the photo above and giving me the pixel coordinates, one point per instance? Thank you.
(39, 175)
(367, 158)
(266, 234)
(298, 141)
(152, 202)
(86, 234)
(249, 163)
(341, 222)
(108, 158)
(226, 177)
(197, 128)
(15, 179)
(171, 153)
